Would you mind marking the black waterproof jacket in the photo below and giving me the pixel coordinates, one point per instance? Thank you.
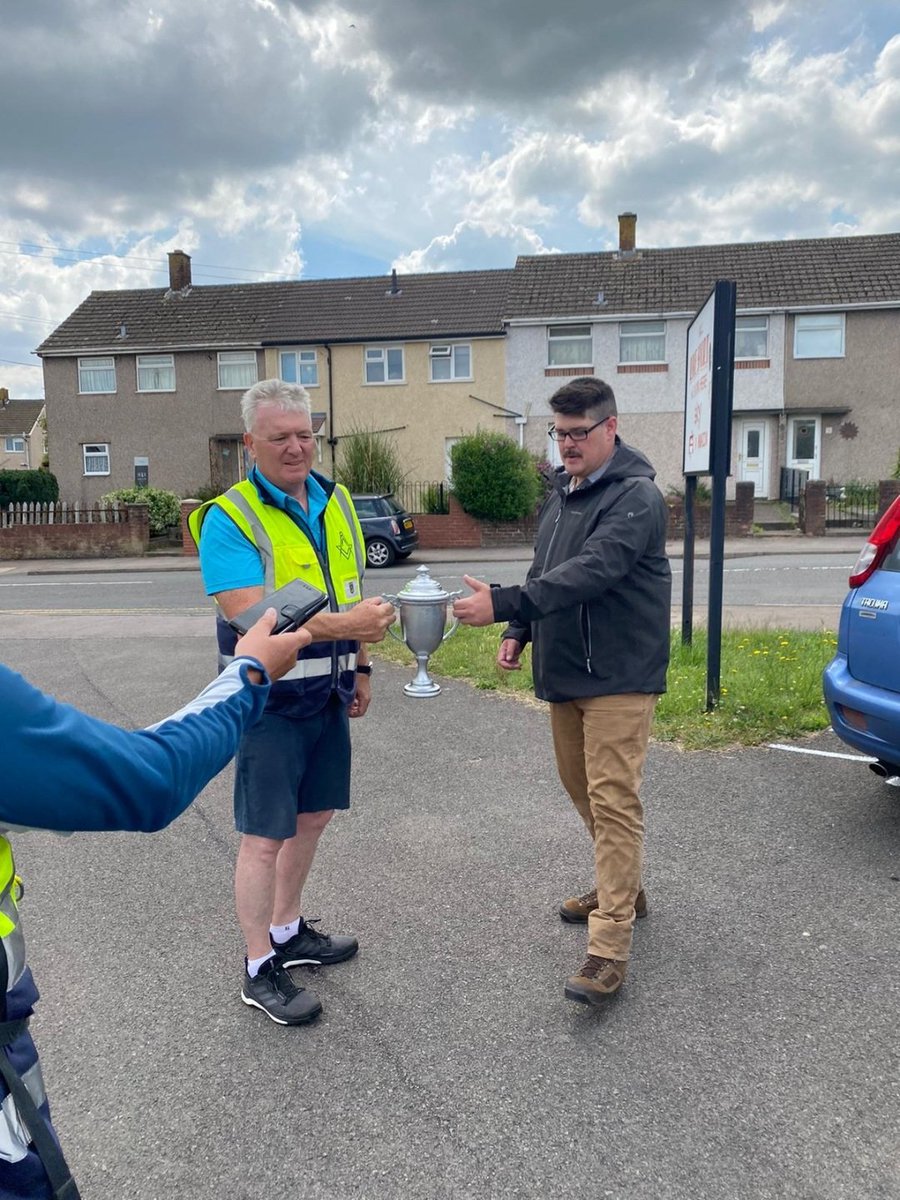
(597, 598)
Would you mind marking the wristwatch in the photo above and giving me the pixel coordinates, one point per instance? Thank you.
(364, 668)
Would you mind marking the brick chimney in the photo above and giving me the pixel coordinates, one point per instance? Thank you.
(179, 270)
(627, 230)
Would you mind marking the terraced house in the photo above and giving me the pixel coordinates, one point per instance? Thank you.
(150, 380)
(817, 348)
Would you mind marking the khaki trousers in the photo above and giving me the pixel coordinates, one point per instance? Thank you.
(600, 744)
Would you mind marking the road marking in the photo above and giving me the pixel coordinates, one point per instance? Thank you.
(820, 753)
(56, 583)
(100, 612)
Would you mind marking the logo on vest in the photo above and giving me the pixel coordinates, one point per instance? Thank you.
(351, 589)
(344, 546)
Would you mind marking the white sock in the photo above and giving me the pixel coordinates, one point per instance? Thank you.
(284, 933)
(253, 964)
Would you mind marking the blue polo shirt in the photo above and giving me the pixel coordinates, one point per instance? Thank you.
(228, 560)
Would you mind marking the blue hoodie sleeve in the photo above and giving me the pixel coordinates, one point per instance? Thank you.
(66, 771)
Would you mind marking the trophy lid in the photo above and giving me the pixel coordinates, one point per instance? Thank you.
(424, 590)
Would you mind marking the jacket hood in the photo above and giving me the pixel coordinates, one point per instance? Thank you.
(626, 463)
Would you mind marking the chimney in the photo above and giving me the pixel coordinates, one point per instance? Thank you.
(394, 289)
(179, 270)
(627, 228)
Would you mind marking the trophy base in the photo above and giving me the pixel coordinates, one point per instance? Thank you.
(429, 688)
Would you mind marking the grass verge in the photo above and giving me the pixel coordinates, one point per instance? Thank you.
(771, 683)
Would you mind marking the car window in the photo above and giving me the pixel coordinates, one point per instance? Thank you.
(393, 507)
(892, 561)
(365, 508)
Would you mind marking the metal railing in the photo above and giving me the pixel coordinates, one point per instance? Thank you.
(852, 505)
(791, 485)
(427, 497)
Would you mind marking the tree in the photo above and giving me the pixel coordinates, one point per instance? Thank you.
(493, 478)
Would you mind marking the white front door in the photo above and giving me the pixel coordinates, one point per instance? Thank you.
(753, 456)
(803, 445)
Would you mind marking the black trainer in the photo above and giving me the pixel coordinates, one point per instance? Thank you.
(273, 991)
(317, 949)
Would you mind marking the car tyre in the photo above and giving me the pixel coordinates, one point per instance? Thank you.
(379, 553)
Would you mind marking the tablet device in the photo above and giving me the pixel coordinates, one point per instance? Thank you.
(294, 603)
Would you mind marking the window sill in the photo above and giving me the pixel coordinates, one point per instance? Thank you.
(640, 368)
(460, 379)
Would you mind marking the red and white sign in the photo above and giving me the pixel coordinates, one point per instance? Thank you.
(698, 391)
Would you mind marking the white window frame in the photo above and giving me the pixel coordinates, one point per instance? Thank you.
(94, 450)
(818, 323)
(630, 332)
(14, 444)
(448, 351)
(303, 361)
(154, 363)
(558, 335)
(755, 324)
(378, 355)
(92, 365)
(237, 358)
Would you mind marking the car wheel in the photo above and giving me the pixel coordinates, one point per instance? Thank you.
(379, 553)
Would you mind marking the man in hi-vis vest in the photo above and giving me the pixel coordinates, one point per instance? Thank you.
(68, 772)
(284, 522)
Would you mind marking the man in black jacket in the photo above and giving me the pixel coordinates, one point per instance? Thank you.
(596, 608)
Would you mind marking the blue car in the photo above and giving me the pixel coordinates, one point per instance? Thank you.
(862, 682)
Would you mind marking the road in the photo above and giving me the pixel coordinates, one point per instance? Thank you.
(793, 590)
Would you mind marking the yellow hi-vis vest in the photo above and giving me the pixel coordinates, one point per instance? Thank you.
(287, 553)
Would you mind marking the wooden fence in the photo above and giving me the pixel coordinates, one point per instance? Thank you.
(62, 514)
(74, 530)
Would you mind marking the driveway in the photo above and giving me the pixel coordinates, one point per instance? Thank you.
(753, 1052)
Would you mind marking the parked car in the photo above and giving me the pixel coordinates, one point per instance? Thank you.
(862, 682)
(389, 530)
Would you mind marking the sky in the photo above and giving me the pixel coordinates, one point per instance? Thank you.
(292, 139)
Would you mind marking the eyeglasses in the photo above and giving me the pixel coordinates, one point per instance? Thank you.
(577, 435)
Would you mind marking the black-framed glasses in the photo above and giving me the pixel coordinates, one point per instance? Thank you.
(577, 435)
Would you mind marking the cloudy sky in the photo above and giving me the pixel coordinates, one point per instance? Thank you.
(298, 138)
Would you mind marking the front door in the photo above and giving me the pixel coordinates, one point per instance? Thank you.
(803, 445)
(227, 462)
(752, 457)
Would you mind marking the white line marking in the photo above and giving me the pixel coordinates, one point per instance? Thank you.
(820, 753)
(83, 583)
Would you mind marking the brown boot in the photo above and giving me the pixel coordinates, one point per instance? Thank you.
(577, 908)
(597, 979)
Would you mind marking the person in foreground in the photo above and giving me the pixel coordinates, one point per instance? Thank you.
(287, 521)
(596, 607)
(66, 771)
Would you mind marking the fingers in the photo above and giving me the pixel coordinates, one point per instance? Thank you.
(277, 652)
(475, 584)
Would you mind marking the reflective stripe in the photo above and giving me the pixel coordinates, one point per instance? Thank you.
(14, 948)
(307, 668)
(260, 536)
(13, 1135)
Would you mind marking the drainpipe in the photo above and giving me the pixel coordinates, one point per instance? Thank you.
(332, 440)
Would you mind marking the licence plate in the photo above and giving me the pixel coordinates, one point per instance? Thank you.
(408, 523)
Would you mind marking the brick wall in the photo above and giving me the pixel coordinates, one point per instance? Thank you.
(738, 515)
(888, 491)
(98, 539)
(188, 546)
(813, 501)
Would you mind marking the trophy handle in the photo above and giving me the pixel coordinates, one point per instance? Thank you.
(452, 629)
(396, 636)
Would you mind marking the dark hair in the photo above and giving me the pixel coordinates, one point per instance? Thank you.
(585, 395)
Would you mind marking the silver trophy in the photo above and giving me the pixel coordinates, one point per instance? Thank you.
(422, 604)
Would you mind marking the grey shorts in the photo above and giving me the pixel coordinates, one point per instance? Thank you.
(286, 766)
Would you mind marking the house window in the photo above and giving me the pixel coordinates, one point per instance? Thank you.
(642, 342)
(237, 368)
(450, 362)
(15, 445)
(96, 458)
(569, 346)
(156, 372)
(751, 337)
(819, 335)
(96, 375)
(299, 366)
(384, 364)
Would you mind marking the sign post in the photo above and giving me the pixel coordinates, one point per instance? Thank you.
(707, 451)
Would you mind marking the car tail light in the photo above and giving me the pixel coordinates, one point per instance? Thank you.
(395, 527)
(880, 543)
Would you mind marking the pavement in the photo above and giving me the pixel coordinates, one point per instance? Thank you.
(763, 544)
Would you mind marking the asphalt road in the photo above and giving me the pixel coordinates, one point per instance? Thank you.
(752, 1054)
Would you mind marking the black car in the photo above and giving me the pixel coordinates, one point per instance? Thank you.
(389, 530)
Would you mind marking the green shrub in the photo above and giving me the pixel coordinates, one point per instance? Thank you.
(164, 508)
(493, 478)
(27, 487)
(369, 462)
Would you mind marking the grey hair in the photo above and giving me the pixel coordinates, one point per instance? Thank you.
(289, 397)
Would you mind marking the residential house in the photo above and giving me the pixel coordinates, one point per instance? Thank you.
(817, 348)
(147, 383)
(21, 433)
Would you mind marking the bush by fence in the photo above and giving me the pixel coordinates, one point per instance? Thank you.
(24, 487)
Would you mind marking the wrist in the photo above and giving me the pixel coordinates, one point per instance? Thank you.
(364, 668)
